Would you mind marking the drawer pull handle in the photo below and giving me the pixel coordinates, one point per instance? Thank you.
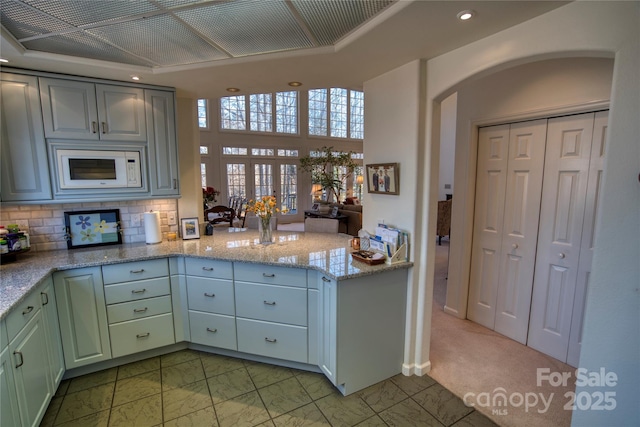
(16, 353)
(137, 271)
(139, 291)
(212, 330)
(324, 279)
(268, 275)
(207, 268)
(209, 295)
(143, 335)
(28, 310)
(267, 339)
(46, 298)
(140, 310)
(269, 302)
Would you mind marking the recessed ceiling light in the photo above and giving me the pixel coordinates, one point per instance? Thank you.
(136, 78)
(4, 60)
(294, 84)
(233, 89)
(465, 15)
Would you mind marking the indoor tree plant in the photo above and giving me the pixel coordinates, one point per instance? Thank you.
(323, 166)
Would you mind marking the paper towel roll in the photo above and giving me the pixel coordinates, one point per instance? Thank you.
(152, 231)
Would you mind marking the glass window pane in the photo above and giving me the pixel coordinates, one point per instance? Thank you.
(260, 112)
(203, 174)
(289, 189)
(232, 112)
(236, 180)
(263, 180)
(262, 151)
(338, 107)
(204, 149)
(318, 112)
(203, 121)
(356, 119)
(234, 151)
(287, 112)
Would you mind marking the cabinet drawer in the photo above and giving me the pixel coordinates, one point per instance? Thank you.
(139, 289)
(270, 274)
(209, 268)
(272, 340)
(138, 309)
(272, 303)
(22, 313)
(143, 334)
(128, 271)
(214, 330)
(210, 295)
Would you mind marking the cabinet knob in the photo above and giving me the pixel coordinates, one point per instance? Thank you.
(514, 246)
(561, 255)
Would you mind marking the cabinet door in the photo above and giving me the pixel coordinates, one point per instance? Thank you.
(83, 316)
(30, 369)
(328, 331)
(163, 150)
(54, 341)
(25, 172)
(121, 113)
(9, 415)
(69, 109)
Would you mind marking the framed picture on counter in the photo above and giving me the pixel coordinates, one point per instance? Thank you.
(190, 228)
(92, 228)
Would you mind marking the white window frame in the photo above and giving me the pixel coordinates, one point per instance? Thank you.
(207, 116)
(248, 114)
(348, 110)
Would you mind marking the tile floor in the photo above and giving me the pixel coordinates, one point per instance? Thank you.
(190, 388)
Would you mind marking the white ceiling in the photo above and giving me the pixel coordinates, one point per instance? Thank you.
(346, 56)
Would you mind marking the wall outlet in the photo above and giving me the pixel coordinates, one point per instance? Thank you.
(135, 220)
(171, 218)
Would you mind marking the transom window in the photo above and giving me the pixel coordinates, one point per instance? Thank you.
(337, 113)
(264, 114)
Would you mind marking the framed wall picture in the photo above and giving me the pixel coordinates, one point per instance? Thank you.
(383, 178)
(190, 228)
(92, 228)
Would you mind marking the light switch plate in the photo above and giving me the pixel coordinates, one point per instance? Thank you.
(135, 220)
(171, 218)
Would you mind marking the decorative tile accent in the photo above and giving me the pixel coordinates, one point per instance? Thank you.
(230, 384)
(186, 399)
(137, 368)
(306, 416)
(382, 395)
(137, 387)
(344, 411)
(146, 412)
(264, 375)
(91, 380)
(85, 402)
(99, 419)
(408, 413)
(201, 418)
(475, 419)
(215, 365)
(181, 374)
(413, 384)
(246, 410)
(444, 405)
(285, 396)
(178, 357)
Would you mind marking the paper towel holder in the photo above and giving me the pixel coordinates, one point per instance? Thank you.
(190, 228)
(92, 228)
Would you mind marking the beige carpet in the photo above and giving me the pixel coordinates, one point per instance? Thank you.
(468, 358)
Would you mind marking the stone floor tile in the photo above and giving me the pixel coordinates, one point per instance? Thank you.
(382, 395)
(185, 399)
(263, 374)
(85, 402)
(284, 396)
(52, 411)
(374, 421)
(181, 374)
(134, 388)
(203, 418)
(475, 419)
(230, 384)
(442, 404)
(145, 412)
(91, 380)
(63, 387)
(99, 419)
(305, 416)
(178, 357)
(215, 364)
(245, 410)
(316, 385)
(342, 411)
(413, 384)
(137, 368)
(408, 413)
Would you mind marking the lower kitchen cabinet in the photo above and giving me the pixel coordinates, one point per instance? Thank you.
(82, 315)
(277, 340)
(135, 336)
(214, 330)
(9, 413)
(54, 341)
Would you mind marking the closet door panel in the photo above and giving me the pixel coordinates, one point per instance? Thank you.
(560, 232)
(493, 149)
(592, 202)
(520, 227)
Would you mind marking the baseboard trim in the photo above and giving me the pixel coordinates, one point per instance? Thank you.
(413, 369)
(408, 370)
(423, 369)
(451, 311)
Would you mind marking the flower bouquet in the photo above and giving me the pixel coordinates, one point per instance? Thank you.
(209, 196)
(264, 209)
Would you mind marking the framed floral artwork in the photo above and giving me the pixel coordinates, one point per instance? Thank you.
(92, 228)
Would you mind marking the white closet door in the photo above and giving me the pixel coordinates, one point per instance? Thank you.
(594, 186)
(491, 180)
(520, 228)
(559, 238)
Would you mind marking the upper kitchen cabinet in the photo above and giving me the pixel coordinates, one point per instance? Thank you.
(163, 150)
(88, 111)
(23, 154)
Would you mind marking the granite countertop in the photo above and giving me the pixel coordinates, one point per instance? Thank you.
(328, 253)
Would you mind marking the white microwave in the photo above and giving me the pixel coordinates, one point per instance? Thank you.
(98, 169)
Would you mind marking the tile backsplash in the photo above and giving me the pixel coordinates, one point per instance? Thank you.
(45, 223)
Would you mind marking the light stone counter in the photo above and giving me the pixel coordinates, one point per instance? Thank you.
(328, 253)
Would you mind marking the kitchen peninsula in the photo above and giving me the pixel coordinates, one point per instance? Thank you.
(301, 302)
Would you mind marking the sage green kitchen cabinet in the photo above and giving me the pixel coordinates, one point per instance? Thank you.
(92, 112)
(163, 150)
(9, 413)
(23, 154)
(54, 340)
(82, 316)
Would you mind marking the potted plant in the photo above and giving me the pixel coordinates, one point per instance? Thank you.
(324, 167)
